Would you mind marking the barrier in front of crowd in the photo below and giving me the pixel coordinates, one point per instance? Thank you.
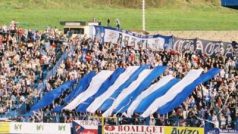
(91, 127)
(133, 129)
(34, 128)
(111, 125)
(99, 125)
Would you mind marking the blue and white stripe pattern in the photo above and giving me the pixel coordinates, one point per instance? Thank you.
(121, 79)
(132, 90)
(83, 106)
(115, 94)
(152, 89)
(172, 92)
(94, 86)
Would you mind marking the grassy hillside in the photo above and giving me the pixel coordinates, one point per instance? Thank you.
(160, 14)
(19, 4)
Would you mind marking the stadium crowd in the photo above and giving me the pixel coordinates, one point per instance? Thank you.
(26, 56)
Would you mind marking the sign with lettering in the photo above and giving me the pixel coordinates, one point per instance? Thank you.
(228, 131)
(212, 48)
(184, 45)
(133, 129)
(129, 39)
(85, 127)
(39, 128)
(183, 130)
(209, 48)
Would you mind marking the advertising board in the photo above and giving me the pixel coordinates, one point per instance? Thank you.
(4, 127)
(40, 128)
(85, 127)
(133, 129)
(183, 130)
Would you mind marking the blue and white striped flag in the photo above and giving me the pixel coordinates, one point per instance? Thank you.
(132, 90)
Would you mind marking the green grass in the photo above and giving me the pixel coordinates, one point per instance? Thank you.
(38, 14)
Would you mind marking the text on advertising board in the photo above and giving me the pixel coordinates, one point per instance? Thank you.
(39, 128)
(132, 129)
(183, 130)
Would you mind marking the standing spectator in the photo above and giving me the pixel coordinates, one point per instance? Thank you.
(108, 22)
(118, 24)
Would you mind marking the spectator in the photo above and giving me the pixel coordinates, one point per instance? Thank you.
(108, 22)
(118, 23)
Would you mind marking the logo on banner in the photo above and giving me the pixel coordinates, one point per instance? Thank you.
(77, 128)
(85, 127)
(109, 128)
(214, 48)
(183, 46)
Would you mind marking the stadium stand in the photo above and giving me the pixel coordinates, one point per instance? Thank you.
(37, 65)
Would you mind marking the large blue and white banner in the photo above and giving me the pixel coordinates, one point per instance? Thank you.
(129, 39)
(135, 89)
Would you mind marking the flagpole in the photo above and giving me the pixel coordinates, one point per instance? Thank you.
(143, 15)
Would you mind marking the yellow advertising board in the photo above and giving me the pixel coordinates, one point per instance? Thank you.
(183, 130)
(4, 127)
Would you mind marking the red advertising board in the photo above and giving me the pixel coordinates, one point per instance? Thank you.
(133, 129)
